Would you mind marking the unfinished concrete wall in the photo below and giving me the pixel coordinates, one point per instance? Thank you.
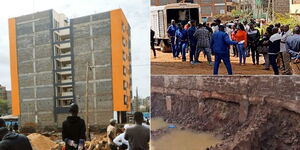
(282, 91)
(92, 43)
(35, 67)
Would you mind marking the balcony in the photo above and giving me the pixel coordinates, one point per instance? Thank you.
(67, 94)
(64, 59)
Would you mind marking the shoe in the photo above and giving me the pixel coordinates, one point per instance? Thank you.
(192, 62)
(266, 69)
(210, 63)
(183, 60)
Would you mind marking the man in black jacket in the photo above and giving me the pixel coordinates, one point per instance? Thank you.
(253, 37)
(274, 49)
(73, 132)
(11, 140)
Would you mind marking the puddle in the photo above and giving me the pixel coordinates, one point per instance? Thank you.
(178, 139)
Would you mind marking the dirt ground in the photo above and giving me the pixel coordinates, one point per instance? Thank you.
(165, 64)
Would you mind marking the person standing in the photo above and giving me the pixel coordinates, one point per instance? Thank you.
(203, 37)
(138, 135)
(73, 130)
(293, 47)
(192, 40)
(11, 140)
(111, 134)
(286, 58)
(219, 44)
(171, 33)
(181, 38)
(152, 34)
(274, 49)
(253, 37)
(241, 36)
(234, 47)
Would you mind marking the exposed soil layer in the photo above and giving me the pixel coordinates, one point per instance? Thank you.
(267, 127)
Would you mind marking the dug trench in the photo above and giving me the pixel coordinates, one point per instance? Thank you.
(242, 123)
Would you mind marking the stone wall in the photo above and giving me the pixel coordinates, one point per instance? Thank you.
(281, 91)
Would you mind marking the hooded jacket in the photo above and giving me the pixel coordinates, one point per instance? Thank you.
(73, 129)
(13, 141)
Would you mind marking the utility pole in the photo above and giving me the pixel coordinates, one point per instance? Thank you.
(86, 100)
(273, 9)
(268, 11)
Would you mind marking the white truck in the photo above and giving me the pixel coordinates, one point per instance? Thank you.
(161, 17)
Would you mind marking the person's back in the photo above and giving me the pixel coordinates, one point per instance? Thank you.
(220, 42)
(73, 132)
(14, 141)
(138, 137)
(73, 129)
(11, 140)
(274, 44)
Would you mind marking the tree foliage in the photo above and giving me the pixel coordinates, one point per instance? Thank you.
(285, 19)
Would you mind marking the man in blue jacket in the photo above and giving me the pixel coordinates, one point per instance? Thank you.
(192, 40)
(219, 45)
(181, 41)
(171, 33)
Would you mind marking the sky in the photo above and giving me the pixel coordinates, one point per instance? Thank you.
(136, 12)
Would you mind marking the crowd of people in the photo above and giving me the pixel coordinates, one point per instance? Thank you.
(278, 44)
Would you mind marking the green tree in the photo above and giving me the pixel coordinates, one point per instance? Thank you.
(3, 106)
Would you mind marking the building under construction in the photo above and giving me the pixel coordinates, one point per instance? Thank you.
(54, 58)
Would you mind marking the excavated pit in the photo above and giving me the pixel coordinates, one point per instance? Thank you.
(266, 126)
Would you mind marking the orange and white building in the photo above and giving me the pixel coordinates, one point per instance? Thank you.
(49, 55)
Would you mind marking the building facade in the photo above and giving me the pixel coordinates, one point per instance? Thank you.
(295, 8)
(3, 92)
(54, 58)
(208, 7)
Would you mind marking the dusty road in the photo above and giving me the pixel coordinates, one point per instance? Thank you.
(165, 64)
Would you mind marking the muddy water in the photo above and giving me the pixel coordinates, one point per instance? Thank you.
(178, 139)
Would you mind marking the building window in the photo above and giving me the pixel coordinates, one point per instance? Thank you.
(124, 42)
(125, 85)
(123, 27)
(125, 100)
(124, 56)
(124, 71)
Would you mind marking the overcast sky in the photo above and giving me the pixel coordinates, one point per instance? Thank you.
(136, 12)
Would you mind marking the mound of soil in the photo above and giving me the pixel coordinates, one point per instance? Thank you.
(40, 142)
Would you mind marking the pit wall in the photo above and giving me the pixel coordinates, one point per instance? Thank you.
(282, 91)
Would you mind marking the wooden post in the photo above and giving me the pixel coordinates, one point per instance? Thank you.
(86, 101)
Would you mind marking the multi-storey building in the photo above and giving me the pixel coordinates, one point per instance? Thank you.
(54, 58)
(3, 92)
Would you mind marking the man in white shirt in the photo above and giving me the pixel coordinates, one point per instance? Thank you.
(285, 55)
(120, 140)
